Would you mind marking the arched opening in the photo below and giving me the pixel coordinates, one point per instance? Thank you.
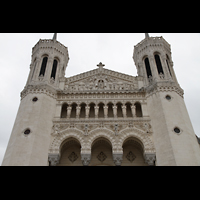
(148, 68)
(43, 66)
(73, 111)
(128, 110)
(64, 111)
(138, 109)
(119, 110)
(110, 110)
(70, 153)
(101, 153)
(158, 63)
(82, 112)
(101, 110)
(54, 69)
(92, 112)
(133, 153)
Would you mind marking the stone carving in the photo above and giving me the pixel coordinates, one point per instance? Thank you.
(53, 159)
(150, 158)
(85, 158)
(73, 157)
(130, 156)
(117, 158)
(101, 156)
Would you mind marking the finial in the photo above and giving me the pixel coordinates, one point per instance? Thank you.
(100, 65)
(146, 35)
(55, 36)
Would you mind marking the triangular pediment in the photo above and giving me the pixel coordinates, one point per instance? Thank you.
(100, 79)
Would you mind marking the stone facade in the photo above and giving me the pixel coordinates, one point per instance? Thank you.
(102, 117)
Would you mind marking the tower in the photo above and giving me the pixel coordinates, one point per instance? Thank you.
(30, 137)
(174, 137)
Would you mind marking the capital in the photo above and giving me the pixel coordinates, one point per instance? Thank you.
(118, 159)
(54, 159)
(86, 159)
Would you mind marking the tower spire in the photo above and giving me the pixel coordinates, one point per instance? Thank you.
(146, 35)
(55, 36)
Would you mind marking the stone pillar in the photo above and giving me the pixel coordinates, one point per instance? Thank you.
(96, 109)
(150, 158)
(165, 67)
(69, 109)
(115, 111)
(124, 111)
(154, 68)
(78, 110)
(87, 111)
(105, 111)
(48, 70)
(133, 108)
(117, 158)
(85, 159)
(53, 159)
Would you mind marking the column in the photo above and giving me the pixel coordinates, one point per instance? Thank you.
(53, 159)
(124, 111)
(117, 158)
(153, 68)
(87, 111)
(85, 158)
(48, 70)
(150, 158)
(96, 110)
(105, 111)
(78, 110)
(115, 111)
(133, 108)
(69, 109)
(165, 67)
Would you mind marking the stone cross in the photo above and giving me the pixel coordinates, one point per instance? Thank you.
(100, 65)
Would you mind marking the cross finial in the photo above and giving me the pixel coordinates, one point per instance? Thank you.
(100, 65)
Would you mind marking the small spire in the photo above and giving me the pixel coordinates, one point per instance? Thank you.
(55, 36)
(146, 35)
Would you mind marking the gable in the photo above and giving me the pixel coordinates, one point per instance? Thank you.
(100, 79)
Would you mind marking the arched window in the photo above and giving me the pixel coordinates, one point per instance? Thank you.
(82, 113)
(101, 110)
(64, 111)
(73, 111)
(92, 112)
(158, 63)
(110, 110)
(128, 110)
(119, 110)
(148, 68)
(54, 69)
(138, 110)
(43, 67)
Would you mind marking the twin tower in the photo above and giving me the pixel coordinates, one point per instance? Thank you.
(162, 134)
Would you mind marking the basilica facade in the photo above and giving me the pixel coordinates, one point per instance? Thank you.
(102, 117)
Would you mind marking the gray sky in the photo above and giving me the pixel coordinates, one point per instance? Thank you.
(86, 50)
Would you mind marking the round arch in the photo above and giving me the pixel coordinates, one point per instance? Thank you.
(101, 133)
(64, 135)
(144, 139)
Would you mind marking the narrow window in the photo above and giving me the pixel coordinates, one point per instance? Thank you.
(119, 110)
(110, 110)
(101, 110)
(138, 109)
(64, 111)
(128, 110)
(148, 68)
(92, 112)
(159, 65)
(43, 67)
(82, 112)
(54, 68)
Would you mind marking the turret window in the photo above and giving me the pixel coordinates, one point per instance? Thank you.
(43, 67)
(54, 69)
(159, 65)
(148, 68)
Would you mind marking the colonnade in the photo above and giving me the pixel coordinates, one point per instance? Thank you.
(101, 110)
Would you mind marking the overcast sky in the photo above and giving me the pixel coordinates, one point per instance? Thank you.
(86, 50)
